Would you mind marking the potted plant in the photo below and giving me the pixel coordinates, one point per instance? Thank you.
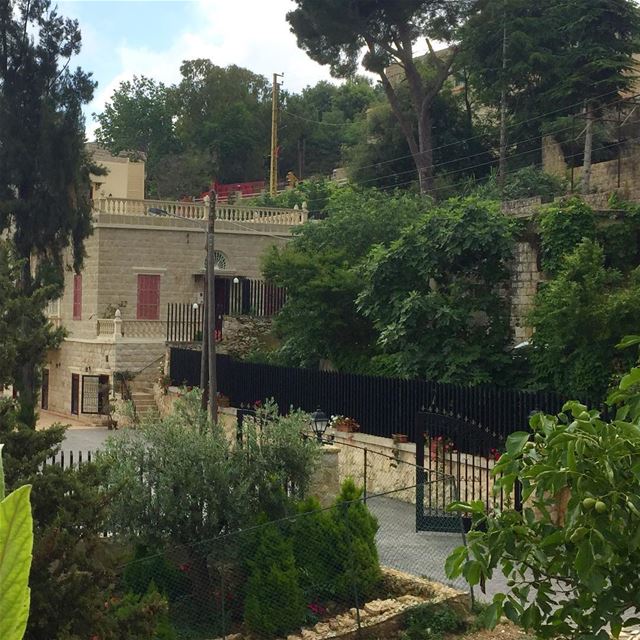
(399, 438)
(344, 424)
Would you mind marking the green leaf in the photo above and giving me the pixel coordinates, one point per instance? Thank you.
(453, 564)
(492, 613)
(1, 474)
(633, 377)
(628, 341)
(511, 612)
(16, 545)
(472, 571)
(516, 442)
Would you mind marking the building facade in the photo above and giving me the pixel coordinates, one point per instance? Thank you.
(144, 258)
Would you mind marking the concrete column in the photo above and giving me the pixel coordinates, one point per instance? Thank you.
(325, 481)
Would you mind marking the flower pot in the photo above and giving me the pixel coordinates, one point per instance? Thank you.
(399, 438)
(345, 428)
(223, 401)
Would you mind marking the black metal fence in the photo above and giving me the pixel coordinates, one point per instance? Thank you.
(184, 322)
(382, 406)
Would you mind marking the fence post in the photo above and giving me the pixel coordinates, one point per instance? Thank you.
(365, 475)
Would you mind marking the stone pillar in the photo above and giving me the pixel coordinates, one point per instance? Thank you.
(325, 481)
(117, 326)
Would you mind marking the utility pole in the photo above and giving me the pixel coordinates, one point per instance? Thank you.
(273, 173)
(211, 310)
(502, 166)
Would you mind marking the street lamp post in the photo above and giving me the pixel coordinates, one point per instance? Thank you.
(319, 423)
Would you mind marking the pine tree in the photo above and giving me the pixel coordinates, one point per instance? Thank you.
(44, 171)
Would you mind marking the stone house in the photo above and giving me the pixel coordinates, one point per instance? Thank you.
(143, 257)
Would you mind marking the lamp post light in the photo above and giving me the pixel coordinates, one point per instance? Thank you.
(319, 423)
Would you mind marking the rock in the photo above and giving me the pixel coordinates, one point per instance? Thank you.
(322, 628)
(376, 607)
(308, 634)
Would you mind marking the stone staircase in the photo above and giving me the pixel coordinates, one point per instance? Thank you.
(142, 388)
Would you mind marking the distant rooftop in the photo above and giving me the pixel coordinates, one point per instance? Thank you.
(99, 153)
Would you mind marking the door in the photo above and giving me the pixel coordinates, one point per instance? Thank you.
(75, 393)
(44, 396)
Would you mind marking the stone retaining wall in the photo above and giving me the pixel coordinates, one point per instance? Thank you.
(382, 618)
(391, 467)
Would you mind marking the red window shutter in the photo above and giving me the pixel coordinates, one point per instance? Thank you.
(148, 297)
(77, 296)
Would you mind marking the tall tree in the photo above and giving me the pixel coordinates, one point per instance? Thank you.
(596, 64)
(224, 111)
(334, 33)
(139, 120)
(44, 172)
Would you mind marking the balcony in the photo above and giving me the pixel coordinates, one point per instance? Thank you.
(199, 211)
(116, 328)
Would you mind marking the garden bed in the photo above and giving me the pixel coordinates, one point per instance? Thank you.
(382, 617)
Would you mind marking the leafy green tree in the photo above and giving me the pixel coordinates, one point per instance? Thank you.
(44, 172)
(274, 603)
(138, 120)
(596, 62)
(334, 34)
(579, 316)
(314, 125)
(570, 554)
(435, 295)
(202, 486)
(224, 111)
(318, 268)
(378, 156)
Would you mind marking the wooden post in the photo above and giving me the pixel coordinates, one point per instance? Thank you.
(211, 310)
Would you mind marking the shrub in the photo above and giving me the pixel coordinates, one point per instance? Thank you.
(149, 568)
(579, 317)
(431, 622)
(562, 226)
(357, 567)
(274, 603)
(316, 538)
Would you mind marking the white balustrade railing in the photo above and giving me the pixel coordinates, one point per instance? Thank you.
(144, 328)
(105, 327)
(199, 211)
(110, 327)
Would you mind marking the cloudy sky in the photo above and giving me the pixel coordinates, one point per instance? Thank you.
(152, 37)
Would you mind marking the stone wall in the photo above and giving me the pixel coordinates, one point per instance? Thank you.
(243, 334)
(525, 278)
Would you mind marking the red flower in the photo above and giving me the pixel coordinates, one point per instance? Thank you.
(185, 567)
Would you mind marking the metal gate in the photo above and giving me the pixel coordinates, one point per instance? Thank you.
(454, 461)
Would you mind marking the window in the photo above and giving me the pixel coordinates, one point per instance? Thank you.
(148, 297)
(77, 296)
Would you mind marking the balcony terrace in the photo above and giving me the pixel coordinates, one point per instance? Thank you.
(239, 213)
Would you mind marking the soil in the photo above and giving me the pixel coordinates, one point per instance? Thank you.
(505, 631)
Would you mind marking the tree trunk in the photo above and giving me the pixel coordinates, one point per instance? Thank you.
(25, 376)
(588, 148)
(424, 158)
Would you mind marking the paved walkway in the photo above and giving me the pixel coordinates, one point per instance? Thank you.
(81, 437)
(421, 553)
(49, 418)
